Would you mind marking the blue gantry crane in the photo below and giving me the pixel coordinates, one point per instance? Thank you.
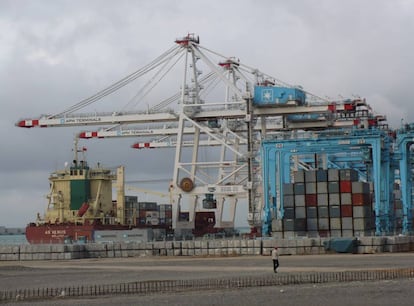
(366, 150)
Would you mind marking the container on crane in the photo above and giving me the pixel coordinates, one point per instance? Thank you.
(278, 96)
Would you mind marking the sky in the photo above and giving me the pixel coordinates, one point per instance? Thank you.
(55, 53)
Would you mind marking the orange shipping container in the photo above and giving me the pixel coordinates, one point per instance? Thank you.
(361, 199)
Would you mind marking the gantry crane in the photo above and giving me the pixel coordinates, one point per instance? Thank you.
(233, 122)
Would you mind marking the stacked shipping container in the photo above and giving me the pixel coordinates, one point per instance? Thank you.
(398, 208)
(147, 214)
(326, 203)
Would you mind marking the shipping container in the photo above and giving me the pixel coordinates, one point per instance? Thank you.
(333, 187)
(288, 201)
(323, 211)
(288, 225)
(347, 223)
(346, 210)
(289, 212)
(300, 225)
(348, 175)
(362, 212)
(345, 186)
(323, 224)
(300, 200)
(361, 199)
(322, 199)
(311, 212)
(277, 96)
(312, 224)
(311, 200)
(299, 188)
(346, 198)
(310, 188)
(322, 187)
(360, 187)
(335, 223)
(310, 176)
(147, 206)
(299, 176)
(347, 233)
(335, 211)
(321, 175)
(362, 224)
(131, 199)
(288, 189)
(324, 233)
(165, 207)
(335, 233)
(334, 199)
(300, 212)
(333, 175)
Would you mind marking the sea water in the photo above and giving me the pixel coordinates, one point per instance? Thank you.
(13, 239)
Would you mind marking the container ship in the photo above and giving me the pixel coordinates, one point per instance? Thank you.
(81, 207)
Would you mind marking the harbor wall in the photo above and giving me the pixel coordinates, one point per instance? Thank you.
(204, 248)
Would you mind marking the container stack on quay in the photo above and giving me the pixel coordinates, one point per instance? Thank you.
(201, 247)
(325, 203)
(398, 209)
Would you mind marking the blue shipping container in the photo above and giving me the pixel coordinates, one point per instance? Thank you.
(270, 95)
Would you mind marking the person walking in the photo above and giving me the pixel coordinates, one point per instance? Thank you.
(275, 258)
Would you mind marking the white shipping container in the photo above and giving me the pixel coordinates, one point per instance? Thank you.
(347, 233)
(299, 200)
(322, 187)
(335, 223)
(323, 224)
(361, 224)
(336, 233)
(347, 223)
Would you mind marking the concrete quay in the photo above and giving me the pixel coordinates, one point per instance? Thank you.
(217, 248)
(152, 280)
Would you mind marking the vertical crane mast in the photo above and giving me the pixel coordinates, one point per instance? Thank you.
(230, 67)
(208, 185)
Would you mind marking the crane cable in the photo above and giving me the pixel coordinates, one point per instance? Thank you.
(141, 91)
(176, 96)
(251, 69)
(119, 84)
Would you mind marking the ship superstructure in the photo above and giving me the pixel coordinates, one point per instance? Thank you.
(81, 194)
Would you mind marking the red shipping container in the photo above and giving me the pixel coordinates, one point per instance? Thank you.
(142, 214)
(323, 233)
(345, 186)
(361, 199)
(311, 199)
(346, 211)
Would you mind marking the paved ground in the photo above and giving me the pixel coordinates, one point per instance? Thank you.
(384, 293)
(40, 274)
